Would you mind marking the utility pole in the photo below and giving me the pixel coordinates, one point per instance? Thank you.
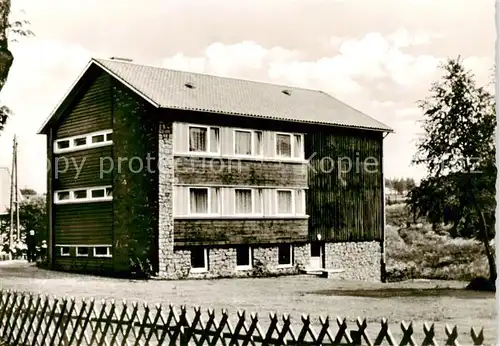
(11, 210)
(18, 230)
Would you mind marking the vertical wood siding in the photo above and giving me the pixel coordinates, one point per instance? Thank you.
(344, 206)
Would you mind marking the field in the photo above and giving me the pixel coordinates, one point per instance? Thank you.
(416, 251)
(436, 302)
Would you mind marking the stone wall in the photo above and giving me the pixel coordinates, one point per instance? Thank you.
(166, 260)
(222, 263)
(359, 260)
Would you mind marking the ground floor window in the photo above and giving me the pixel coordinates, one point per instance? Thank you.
(82, 251)
(285, 255)
(199, 260)
(243, 257)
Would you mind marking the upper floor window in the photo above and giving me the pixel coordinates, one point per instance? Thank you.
(248, 201)
(289, 145)
(81, 142)
(204, 139)
(203, 200)
(248, 142)
(92, 194)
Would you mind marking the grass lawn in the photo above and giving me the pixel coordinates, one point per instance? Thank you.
(439, 302)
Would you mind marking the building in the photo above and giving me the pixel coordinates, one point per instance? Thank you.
(204, 176)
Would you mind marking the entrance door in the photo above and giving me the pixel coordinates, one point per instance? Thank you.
(316, 260)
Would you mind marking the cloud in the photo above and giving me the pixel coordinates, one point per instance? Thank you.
(41, 74)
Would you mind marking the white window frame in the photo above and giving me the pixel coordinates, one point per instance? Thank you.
(292, 156)
(302, 201)
(204, 269)
(253, 193)
(276, 192)
(250, 259)
(253, 135)
(208, 128)
(209, 201)
(288, 265)
(72, 147)
(82, 246)
(89, 199)
(108, 251)
(62, 254)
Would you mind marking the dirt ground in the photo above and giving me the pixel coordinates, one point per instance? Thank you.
(439, 302)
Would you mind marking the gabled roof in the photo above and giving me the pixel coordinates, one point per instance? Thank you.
(165, 88)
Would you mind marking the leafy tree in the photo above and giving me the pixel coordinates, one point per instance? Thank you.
(17, 28)
(32, 216)
(458, 149)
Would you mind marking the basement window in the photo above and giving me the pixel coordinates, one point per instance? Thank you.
(64, 250)
(109, 137)
(109, 192)
(199, 260)
(102, 251)
(285, 255)
(82, 251)
(243, 257)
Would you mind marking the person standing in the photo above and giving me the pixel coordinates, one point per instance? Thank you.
(31, 244)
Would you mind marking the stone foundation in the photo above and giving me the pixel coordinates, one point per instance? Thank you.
(359, 260)
(222, 263)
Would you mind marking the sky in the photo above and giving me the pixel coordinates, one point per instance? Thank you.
(378, 56)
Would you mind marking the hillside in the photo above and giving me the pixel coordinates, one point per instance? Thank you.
(415, 251)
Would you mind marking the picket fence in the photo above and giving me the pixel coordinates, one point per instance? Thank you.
(27, 319)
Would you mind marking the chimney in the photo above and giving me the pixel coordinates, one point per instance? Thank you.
(121, 59)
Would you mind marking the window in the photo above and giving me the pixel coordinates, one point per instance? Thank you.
(79, 194)
(63, 144)
(243, 257)
(80, 142)
(82, 251)
(98, 193)
(284, 200)
(297, 149)
(64, 250)
(102, 251)
(285, 255)
(283, 145)
(243, 201)
(248, 142)
(63, 196)
(203, 200)
(198, 200)
(300, 202)
(84, 195)
(243, 142)
(98, 139)
(109, 137)
(288, 145)
(199, 260)
(203, 139)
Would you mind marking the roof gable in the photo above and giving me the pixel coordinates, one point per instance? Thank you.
(165, 88)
